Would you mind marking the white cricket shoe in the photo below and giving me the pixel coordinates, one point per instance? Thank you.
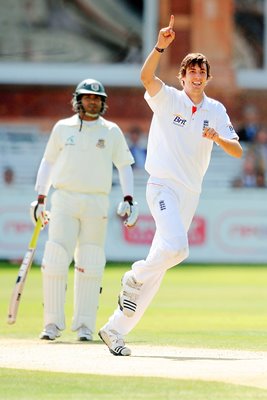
(84, 334)
(50, 332)
(129, 295)
(114, 341)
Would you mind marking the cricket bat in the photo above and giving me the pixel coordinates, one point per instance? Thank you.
(22, 274)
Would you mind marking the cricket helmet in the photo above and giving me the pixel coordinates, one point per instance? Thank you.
(89, 86)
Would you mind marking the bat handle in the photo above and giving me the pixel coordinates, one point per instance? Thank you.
(35, 235)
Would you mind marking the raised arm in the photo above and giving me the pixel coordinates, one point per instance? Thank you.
(150, 81)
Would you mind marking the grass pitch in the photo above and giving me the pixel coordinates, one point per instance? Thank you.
(29, 385)
(197, 306)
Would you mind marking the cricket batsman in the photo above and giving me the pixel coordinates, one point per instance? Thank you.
(78, 163)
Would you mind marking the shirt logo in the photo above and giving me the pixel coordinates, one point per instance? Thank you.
(205, 124)
(162, 205)
(179, 120)
(70, 141)
(231, 129)
(101, 144)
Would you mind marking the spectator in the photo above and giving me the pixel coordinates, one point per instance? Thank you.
(137, 146)
(248, 174)
(260, 179)
(255, 163)
(259, 149)
(251, 177)
(250, 126)
(8, 176)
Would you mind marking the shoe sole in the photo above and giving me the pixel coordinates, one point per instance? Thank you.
(84, 339)
(118, 349)
(46, 337)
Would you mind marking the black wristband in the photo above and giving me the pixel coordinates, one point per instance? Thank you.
(129, 199)
(159, 50)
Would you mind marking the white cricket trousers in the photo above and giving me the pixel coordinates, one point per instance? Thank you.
(172, 207)
(77, 229)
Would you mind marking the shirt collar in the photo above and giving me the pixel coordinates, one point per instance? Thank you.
(189, 103)
(75, 120)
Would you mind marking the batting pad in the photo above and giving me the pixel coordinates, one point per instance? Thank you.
(55, 266)
(89, 267)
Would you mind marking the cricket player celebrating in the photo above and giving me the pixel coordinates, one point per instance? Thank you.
(185, 125)
(78, 163)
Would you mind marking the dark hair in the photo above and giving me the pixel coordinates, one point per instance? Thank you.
(193, 59)
(77, 104)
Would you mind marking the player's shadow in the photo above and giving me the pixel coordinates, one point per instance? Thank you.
(70, 342)
(183, 358)
(160, 357)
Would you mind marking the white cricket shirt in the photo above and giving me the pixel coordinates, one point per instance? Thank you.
(83, 160)
(176, 149)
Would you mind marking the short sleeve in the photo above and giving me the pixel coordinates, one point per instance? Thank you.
(161, 101)
(223, 124)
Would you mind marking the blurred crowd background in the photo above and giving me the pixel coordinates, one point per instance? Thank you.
(48, 46)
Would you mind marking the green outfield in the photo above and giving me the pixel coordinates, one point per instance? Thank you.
(220, 306)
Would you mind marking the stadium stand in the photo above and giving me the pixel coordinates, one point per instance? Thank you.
(223, 169)
(21, 149)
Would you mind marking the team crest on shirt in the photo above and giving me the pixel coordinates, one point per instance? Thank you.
(70, 141)
(205, 124)
(179, 120)
(101, 144)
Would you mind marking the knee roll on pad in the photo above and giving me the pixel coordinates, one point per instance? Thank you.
(56, 259)
(90, 259)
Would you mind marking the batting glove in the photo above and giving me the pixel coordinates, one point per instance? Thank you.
(128, 209)
(38, 210)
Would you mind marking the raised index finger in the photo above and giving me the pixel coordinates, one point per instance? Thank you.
(171, 23)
